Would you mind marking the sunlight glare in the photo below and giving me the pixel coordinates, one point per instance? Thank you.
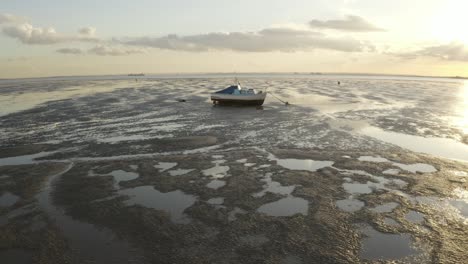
(449, 22)
(462, 109)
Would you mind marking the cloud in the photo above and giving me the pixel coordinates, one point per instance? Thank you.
(28, 34)
(106, 50)
(15, 59)
(266, 40)
(350, 23)
(87, 31)
(75, 51)
(9, 18)
(454, 51)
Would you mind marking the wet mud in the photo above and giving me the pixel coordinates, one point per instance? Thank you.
(141, 178)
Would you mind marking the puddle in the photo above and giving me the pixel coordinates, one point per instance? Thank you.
(417, 167)
(442, 147)
(301, 164)
(17, 256)
(180, 172)
(216, 184)
(216, 201)
(376, 245)
(368, 187)
(120, 175)
(414, 217)
(163, 166)
(385, 208)
(8, 199)
(273, 187)
(118, 139)
(446, 207)
(391, 171)
(2, 177)
(372, 159)
(174, 202)
(241, 160)
(350, 205)
(461, 206)
(460, 173)
(390, 222)
(23, 160)
(232, 214)
(216, 171)
(460, 202)
(414, 168)
(253, 240)
(285, 207)
(358, 188)
(460, 193)
(206, 127)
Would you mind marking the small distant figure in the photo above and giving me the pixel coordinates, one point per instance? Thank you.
(136, 80)
(339, 83)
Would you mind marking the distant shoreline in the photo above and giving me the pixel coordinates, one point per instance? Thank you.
(240, 74)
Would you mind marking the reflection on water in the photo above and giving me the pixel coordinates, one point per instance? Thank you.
(358, 188)
(174, 202)
(8, 199)
(461, 120)
(376, 245)
(120, 175)
(390, 221)
(273, 187)
(216, 201)
(385, 208)
(414, 217)
(10, 103)
(301, 164)
(350, 205)
(25, 159)
(216, 184)
(285, 207)
(217, 171)
(372, 159)
(443, 147)
(180, 172)
(416, 167)
(163, 166)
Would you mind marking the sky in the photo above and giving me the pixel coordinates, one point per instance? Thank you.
(63, 38)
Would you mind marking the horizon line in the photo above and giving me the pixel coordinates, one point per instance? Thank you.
(237, 73)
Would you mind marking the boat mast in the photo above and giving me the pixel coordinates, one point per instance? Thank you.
(238, 83)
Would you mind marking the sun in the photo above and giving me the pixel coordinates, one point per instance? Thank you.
(449, 22)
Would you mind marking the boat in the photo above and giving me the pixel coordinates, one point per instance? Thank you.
(237, 95)
(136, 74)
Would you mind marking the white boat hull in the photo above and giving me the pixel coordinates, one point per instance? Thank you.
(243, 99)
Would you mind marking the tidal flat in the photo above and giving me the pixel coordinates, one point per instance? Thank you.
(374, 170)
